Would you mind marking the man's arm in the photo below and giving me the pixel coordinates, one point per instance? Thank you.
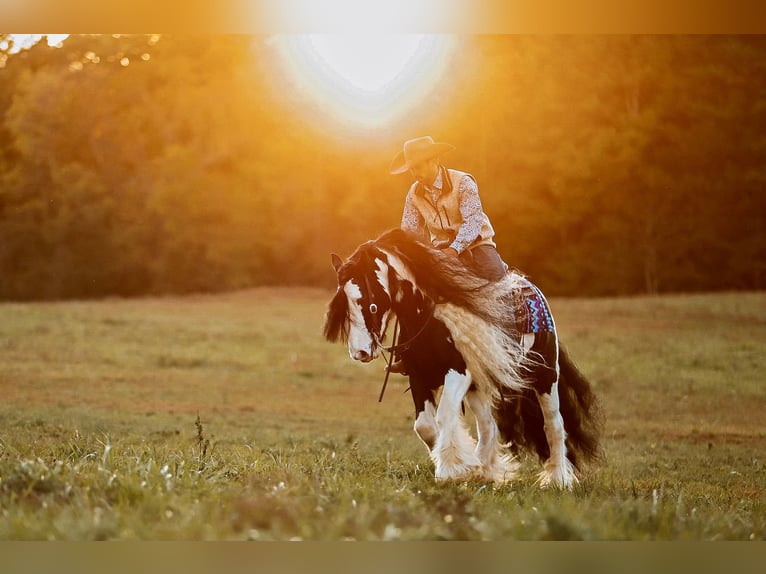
(472, 212)
(411, 218)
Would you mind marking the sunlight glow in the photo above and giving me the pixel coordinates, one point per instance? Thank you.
(366, 79)
(345, 16)
(366, 62)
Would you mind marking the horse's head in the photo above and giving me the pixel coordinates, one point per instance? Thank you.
(361, 308)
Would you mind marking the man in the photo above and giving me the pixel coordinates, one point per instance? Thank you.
(443, 205)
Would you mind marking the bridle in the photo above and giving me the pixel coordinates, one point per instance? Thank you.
(395, 348)
(377, 326)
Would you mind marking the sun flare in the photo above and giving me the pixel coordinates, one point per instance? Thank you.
(366, 79)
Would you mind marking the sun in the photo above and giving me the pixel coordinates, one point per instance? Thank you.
(366, 79)
(366, 63)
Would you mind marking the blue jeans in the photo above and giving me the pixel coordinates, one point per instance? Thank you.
(485, 261)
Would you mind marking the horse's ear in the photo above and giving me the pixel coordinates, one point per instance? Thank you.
(336, 262)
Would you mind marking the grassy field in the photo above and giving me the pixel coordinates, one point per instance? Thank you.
(229, 418)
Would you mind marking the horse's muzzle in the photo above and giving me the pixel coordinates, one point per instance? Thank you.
(362, 356)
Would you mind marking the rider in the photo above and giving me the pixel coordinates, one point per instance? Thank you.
(444, 206)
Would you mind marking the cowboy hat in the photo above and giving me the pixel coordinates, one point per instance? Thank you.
(417, 150)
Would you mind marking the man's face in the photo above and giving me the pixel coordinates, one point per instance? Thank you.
(425, 171)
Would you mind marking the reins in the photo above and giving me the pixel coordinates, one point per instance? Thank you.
(389, 361)
(376, 335)
(395, 348)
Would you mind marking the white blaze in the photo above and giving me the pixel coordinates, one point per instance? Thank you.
(359, 338)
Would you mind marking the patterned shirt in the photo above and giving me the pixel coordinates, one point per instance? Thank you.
(470, 209)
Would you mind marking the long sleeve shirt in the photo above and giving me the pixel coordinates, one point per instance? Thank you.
(471, 218)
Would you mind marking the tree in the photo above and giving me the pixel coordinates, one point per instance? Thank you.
(167, 164)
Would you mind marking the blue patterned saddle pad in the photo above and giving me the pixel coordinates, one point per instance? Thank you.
(532, 312)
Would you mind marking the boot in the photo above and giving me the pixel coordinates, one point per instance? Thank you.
(398, 367)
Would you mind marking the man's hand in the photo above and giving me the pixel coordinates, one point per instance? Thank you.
(451, 252)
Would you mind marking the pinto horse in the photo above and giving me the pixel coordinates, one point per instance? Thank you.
(492, 346)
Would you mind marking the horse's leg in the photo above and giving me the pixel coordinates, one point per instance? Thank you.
(453, 454)
(425, 425)
(557, 470)
(423, 395)
(497, 466)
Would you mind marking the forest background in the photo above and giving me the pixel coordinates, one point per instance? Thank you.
(609, 165)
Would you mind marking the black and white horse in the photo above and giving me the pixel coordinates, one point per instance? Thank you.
(490, 345)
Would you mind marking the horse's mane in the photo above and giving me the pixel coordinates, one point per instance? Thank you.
(439, 276)
(442, 278)
(480, 314)
(446, 279)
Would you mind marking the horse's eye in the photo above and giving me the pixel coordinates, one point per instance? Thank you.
(373, 308)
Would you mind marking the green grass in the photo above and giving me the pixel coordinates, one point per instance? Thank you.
(99, 435)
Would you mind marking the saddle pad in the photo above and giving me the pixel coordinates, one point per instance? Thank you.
(534, 316)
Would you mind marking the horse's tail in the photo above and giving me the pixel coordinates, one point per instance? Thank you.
(580, 409)
(521, 424)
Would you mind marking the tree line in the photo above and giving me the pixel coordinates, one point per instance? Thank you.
(609, 165)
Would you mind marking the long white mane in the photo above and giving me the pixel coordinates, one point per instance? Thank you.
(479, 315)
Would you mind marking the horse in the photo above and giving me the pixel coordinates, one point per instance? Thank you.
(490, 345)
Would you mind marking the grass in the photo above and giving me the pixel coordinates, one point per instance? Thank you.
(229, 418)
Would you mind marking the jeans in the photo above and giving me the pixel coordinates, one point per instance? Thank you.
(485, 261)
